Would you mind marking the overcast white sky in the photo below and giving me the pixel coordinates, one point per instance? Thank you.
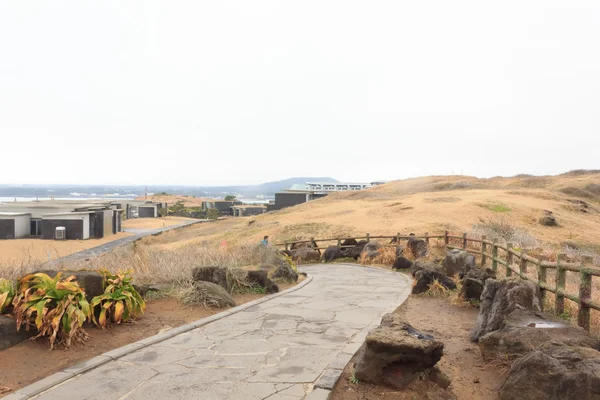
(218, 92)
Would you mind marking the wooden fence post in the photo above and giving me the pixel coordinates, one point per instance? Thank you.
(427, 238)
(483, 251)
(561, 275)
(287, 245)
(465, 241)
(313, 244)
(585, 293)
(339, 244)
(541, 279)
(368, 237)
(398, 243)
(446, 239)
(509, 258)
(495, 255)
(523, 264)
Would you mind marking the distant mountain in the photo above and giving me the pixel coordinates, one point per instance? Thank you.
(266, 189)
(83, 191)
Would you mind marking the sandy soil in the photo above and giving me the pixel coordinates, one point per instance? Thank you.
(154, 223)
(30, 361)
(32, 250)
(461, 360)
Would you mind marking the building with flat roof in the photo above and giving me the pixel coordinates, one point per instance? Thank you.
(303, 192)
(248, 210)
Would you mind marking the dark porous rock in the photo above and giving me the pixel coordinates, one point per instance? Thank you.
(473, 281)
(499, 299)
(349, 242)
(419, 265)
(371, 246)
(369, 255)
(456, 260)
(216, 275)
(354, 252)
(89, 281)
(285, 253)
(399, 251)
(296, 246)
(395, 353)
(331, 253)
(548, 219)
(305, 255)
(417, 247)
(425, 277)
(261, 279)
(526, 331)
(555, 372)
(402, 263)
(472, 289)
(285, 273)
(8, 333)
(212, 295)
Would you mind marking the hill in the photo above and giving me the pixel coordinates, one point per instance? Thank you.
(430, 204)
(266, 189)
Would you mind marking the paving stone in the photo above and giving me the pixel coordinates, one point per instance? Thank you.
(189, 340)
(45, 383)
(88, 364)
(329, 378)
(207, 391)
(157, 355)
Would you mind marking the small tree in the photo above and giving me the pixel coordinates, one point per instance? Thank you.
(162, 211)
(230, 197)
(212, 213)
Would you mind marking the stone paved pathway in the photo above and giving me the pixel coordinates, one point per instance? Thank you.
(291, 347)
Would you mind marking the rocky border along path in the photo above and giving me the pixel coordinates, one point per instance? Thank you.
(292, 346)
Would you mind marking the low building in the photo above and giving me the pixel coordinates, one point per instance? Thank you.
(81, 220)
(303, 192)
(14, 225)
(223, 206)
(248, 210)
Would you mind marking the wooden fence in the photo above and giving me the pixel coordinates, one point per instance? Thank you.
(514, 262)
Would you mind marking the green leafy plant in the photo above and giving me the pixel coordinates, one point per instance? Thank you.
(230, 197)
(212, 213)
(57, 308)
(288, 260)
(120, 302)
(353, 379)
(7, 294)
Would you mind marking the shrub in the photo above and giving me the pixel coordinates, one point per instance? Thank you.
(120, 301)
(7, 294)
(57, 308)
(212, 213)
(230, 197)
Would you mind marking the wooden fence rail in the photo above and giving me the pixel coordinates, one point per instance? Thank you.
(514, 261)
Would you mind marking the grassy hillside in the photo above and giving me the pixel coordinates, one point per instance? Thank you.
(430, 204)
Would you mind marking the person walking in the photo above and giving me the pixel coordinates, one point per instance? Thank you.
(265, 241)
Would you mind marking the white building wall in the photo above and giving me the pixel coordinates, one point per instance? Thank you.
(22, 226)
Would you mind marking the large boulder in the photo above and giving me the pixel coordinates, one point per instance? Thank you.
(395, 353)
(305, 255)
(211, 295)
(456, 260)
(261, 279)
(473, 281)
(417, 247)
(420, 264)
(216, 275)
(331, 253)
(354, 252)
(499, 299)
(555, 372)
(8, 333)
(548, 219)
(89, 281)
(284, 273)
(402, 263)
(371, 246)
(527, 331)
